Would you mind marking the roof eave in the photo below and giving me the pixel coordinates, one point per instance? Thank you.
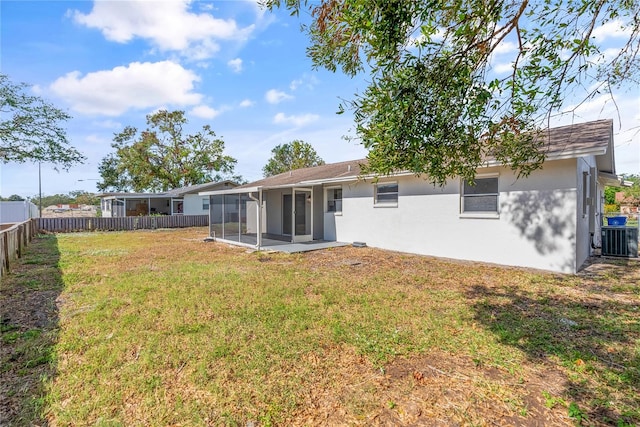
(230, 191)
(611, 180)
(137, 196)
(565, 155)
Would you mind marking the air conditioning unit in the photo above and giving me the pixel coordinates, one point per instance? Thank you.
(620, 241)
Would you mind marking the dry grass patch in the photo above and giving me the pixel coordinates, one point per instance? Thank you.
(160, 328)
(28, 333)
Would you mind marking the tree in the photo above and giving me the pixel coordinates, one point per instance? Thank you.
(161, 158)
(610, 195)
(634, 190)
(12, 198)
(77, 196)
(82, 197)
(296, 154)
(630, 192)
(435, 104)
(114, 177)
(55, 199)
(31, 128)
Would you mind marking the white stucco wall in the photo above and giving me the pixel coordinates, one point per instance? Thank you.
(252, 217)
(273, 199)
(318, 212)
(536, 226)
(330, 226)
(193, 204)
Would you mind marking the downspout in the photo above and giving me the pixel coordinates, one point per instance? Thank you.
(259, 218)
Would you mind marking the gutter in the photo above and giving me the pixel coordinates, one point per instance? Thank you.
(235, 190)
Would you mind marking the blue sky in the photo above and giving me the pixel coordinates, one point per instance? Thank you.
(226, 63)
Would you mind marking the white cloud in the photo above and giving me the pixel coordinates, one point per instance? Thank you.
(503, 67)
(235, 65)
(246, 103)
(299, 120)
(606, 55)
(612, 29)
(108, 124)
(308, 81)
(505, 47)
(136, 86)
(275, 96)
(96, 139)
(201, 51)
(295, 84)
(168, 25)
(205, 112)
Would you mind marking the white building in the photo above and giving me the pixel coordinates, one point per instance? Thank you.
(549, 220)
(17, 211)
(181, 201)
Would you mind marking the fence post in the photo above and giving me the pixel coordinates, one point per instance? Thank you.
(19, 230)
(7, 255)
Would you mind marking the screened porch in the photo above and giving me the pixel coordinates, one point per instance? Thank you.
(263, 218)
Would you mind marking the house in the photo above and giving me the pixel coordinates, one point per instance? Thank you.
(549, 220)
(181, 201)
(629, 205)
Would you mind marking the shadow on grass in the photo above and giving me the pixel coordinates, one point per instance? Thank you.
(583, 326)
(28, 333)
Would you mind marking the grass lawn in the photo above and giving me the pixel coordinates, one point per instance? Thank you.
(156, 328)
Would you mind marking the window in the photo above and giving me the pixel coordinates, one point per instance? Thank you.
(480, 196)
(205, 204)
(334, 199)
(386, 193)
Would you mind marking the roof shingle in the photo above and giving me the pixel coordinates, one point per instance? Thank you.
(329, 171)
(564, 141)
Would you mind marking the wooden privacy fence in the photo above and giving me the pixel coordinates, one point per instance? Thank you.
(68, 225)
(13, 240)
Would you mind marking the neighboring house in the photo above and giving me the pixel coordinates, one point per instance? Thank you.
(17, 211)
(629, 205)
(181, 201)
(549, 220)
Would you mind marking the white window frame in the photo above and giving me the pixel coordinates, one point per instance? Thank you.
(481, 214)
(386, 203)
(338, 207)
(205, 202)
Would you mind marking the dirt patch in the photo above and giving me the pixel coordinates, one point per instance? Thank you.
(436, 389)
